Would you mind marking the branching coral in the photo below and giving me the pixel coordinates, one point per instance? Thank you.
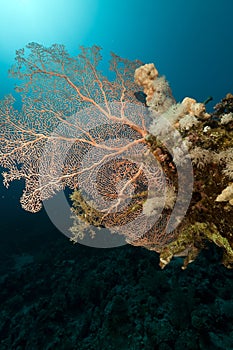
(80, 130)
(45, 142)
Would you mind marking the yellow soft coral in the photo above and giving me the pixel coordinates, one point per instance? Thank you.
(194, 108)
(226, 195)
(145, 76)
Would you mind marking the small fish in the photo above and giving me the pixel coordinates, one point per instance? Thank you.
(141, 96)
(210, 98)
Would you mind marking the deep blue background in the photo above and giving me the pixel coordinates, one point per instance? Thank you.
(189, 41)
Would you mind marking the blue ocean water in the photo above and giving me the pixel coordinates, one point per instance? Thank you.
(56, 295)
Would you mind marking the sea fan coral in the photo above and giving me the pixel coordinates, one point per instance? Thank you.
(158, 176)
(79, 130)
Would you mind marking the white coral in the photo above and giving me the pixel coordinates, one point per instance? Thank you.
(226, 195)
(187, 122)
(226, 118)
(226, 158)
(162, 97)
(201, 157)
